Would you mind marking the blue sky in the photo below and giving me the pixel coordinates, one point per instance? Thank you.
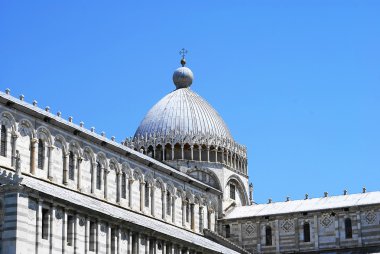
(297, 82)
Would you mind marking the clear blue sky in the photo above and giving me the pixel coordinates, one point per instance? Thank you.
(297, 82)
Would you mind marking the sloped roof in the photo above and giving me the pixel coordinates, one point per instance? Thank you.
(307, 205)
(123, 214)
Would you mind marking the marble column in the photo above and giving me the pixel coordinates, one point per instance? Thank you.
(142, 196)
(79, 176)
(33, 151)
(163, 197)
(130, 182)
(191, 154)
(50, 161)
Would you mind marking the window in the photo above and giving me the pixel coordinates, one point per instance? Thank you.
(348, 228)
(123, 185)
(45, 223)
(41, 154)
(306, 232)
(168, 203)
(187, 210)
(232, 191)
(268, 236)
(71, 166)
(92, 236)
(147, 194)
(3, 148)
(70, 230)
(228, 231)
(98, 175)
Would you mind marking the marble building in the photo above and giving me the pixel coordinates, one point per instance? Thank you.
(179, 185)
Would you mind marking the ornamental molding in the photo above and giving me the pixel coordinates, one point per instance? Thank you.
(192, 139)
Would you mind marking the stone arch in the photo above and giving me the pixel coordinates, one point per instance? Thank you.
(44, 134)
(88, 154)
(170, 188)
(190, 196)
(240, 186)
(25, 128)
(160, 183)
(102, 159)
(115, 164)
(126, 168)
(149, 179)
(138, 175)
(214, 182)
(8, 121)
(75, 148)
(198, 199)
(60, 139)
(181, 193)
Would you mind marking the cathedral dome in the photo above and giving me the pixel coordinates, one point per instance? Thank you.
(183, 113)
(184, 128)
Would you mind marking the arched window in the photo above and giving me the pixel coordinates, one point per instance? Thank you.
(71, 166)
(268, 236)
(232, 191)
(123, 185)
(306, 232)
(348, 228)
(41, 154)
(3, 148)
(98, 175)
(168, 204)
(147, 194)
(228, 231)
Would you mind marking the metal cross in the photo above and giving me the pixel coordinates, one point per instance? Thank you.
(183, 52)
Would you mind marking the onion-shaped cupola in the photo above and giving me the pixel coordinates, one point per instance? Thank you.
(183, 126)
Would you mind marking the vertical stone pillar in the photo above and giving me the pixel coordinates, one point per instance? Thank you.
(75, 162)
(216, 154)
(87, 235)
(163, 196)
(208, 154)
(108, 239)
(337, 232)
(296, 234)
(223, 155)
(163, 153)
(33, 151)
(182, 152)
(227, 161)
(152, 194)
(130, 242)
(200, 152)
(64, 229)
(277, 236)
(52, 239)
(106, 183)
(201, 218)
(49, 173)
(183, 213)
(130, 182)
(173, 208)
(14, 146)
(358, 219)
(316, 229)
(118, 241)
(79, 176)
(142, 196)
(76, 235)
(118, 186)
(173, 147)
(93, 178)
(65, 168)
(39, 225)
(191, 154)
(258, 236)
(179, 249)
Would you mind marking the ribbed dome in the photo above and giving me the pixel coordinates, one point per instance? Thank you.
(183, 112)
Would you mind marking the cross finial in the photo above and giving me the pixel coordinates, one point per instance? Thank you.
(183, 52)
